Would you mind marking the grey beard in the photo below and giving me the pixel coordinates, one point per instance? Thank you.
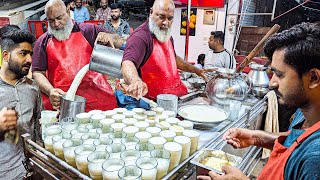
(162, 36)
(62, 34)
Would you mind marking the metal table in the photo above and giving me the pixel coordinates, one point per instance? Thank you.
(251, 116)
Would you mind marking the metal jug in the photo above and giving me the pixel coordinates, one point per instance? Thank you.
(260, 79)
(71, 108)
(228, 85)
(106, 60)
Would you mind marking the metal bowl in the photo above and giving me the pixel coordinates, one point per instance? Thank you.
(197, 83)
(260, 91)
(185, 75)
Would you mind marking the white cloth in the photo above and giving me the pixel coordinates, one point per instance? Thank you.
(223, 59)
(271, 122)
(71, 14)
(198, 66)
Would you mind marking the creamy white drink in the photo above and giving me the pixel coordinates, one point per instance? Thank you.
(158, 142)
(154, 131)
(143, 136)
(111, 167)
(194, 136)
(130, 130)
(81, 155)
(185, 142)
(163, 158)
(168, 135)
(175, 150)
(148, 167)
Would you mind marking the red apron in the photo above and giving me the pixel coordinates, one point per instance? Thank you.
(65, 59)
(160, 72)
(274, 169)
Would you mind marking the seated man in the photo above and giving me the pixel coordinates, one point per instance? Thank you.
(103, 13)
(21, 93)
(218, 56)
(116, 24)
(81, 13)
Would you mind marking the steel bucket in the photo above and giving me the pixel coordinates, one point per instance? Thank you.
(106, 60)
(71, 108)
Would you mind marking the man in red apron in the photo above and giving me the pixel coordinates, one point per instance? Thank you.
(150, 65)
(296, 81)
(60, 53)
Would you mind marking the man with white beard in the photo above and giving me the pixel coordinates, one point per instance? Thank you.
(60, 53)
(150, 64)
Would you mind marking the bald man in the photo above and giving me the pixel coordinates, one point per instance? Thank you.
(60, 53)
(150, 64)
(103, 13)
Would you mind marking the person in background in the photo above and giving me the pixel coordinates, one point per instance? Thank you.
(3, 31)
(55, 70)
(20, 93)
(116, 24)
(91, 8)
(70, 7)
(81, 13)
(200, 61)
(103, 13)
(150, 64)
(294, 55)
(218, 56)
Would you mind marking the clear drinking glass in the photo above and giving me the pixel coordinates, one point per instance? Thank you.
(130, 173)
(130, 142)
(57, 142)
(68, 150)
(89, 138)
(117, 136)
(194, 136)
(102, 143)
(235, 107)
(158, 142)
(143, 136)
(118, 127)
(83, 118)
(145, 149)
(96, 159)
(175, 150)
(130, 157)
(111, 167)
(168, 102)
(81, 154)
(154, 131)
(148, 167)
(130, 130)
(163, 158)
(51, 130)
(115, 149)
(185, 142)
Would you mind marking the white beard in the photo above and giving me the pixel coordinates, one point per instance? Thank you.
(62, 34)
(161, 35)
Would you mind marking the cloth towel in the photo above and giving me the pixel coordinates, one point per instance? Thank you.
(129, 102)
(271, 121)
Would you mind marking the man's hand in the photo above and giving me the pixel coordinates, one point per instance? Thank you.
(136, 89)
(202, 73)
(8, 119)
(108, 39)
(240, 138)
(55, 95)
(231, 173)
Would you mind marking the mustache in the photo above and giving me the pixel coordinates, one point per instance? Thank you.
(277, 93)
(26, 64)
